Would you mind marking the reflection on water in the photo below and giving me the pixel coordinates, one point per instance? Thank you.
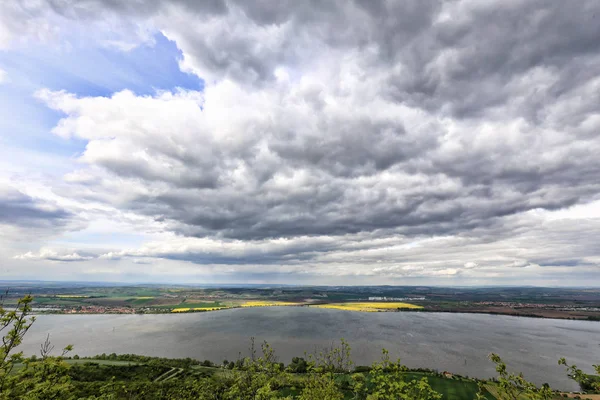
(456, 342)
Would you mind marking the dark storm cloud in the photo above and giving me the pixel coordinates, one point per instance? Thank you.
(20, 210)
(91, 8)
(417, 117)
(468, 61)
(245, 259)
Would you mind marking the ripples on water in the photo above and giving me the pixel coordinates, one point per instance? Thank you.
(455, 342)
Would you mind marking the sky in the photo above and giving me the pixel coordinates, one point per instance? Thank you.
(334, 142)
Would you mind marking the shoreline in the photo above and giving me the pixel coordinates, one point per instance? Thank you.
(410, 310)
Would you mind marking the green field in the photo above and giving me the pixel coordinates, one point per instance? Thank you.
(577, 303)
(185, 304)
(493, 389)
(101, 362)
(140, 301)
(207, 370)
(82, 361)
(451, 388)
(57, 301)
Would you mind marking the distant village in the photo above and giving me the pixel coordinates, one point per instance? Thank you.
(396, 298)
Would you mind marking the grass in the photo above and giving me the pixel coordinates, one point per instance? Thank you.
(186, 304)
(208, 370)
(450, 388)
(71, 361)
(368, 307)
(493, 390)
(101, 362)
(110, 301)
(53, 301)
(261, 303)
(137, 301)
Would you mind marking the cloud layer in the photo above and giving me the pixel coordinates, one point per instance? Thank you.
(383, 139)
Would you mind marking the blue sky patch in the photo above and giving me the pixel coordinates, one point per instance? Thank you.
(84, 72)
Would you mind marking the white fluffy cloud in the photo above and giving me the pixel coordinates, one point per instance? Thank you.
(53, 255)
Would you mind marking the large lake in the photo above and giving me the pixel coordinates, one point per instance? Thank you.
(455, 342)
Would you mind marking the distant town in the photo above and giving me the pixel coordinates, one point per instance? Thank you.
(81, 298)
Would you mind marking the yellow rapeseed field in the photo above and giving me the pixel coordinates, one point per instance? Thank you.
(260, 303)
(177, 310)
(368, 307)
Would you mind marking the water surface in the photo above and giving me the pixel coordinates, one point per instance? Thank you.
(455, 342)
